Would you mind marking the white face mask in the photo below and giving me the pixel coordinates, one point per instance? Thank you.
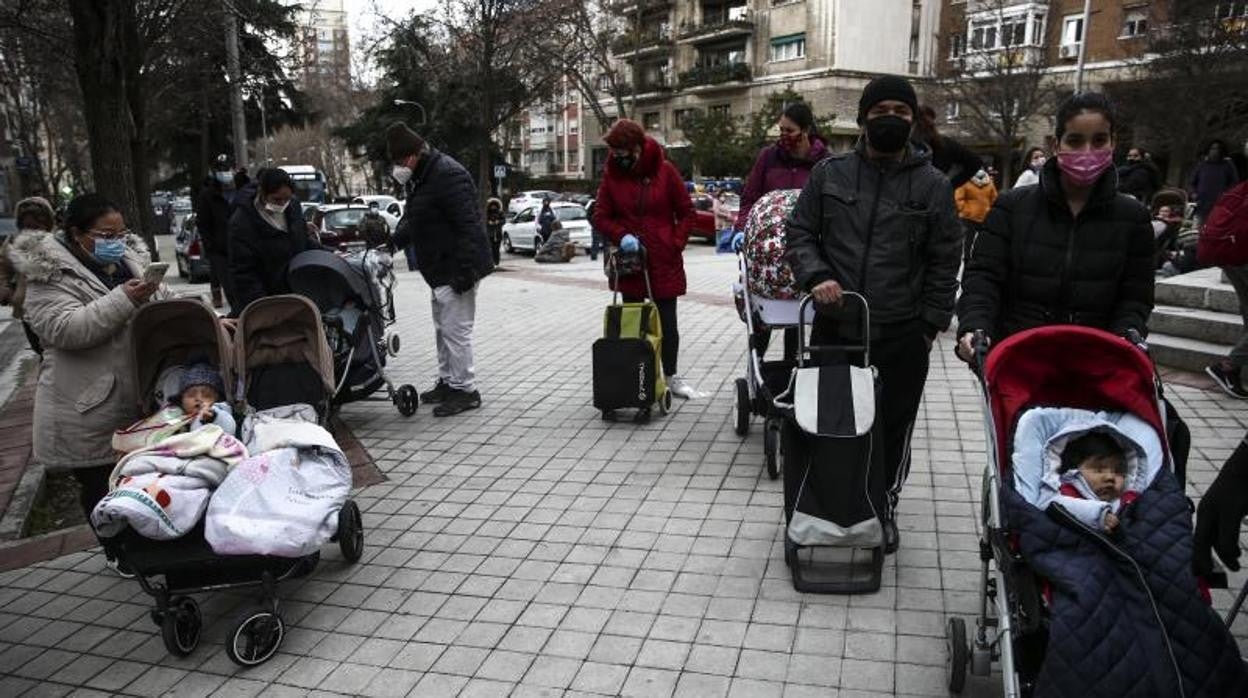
(275, 208)
(401, 174)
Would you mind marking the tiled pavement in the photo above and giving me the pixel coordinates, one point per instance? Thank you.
(529, 549)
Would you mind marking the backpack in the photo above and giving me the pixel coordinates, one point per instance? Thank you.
(1223, 241)
(770, 276)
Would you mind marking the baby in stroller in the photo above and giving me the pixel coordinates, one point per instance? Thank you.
(1109, 533)
(202, 394)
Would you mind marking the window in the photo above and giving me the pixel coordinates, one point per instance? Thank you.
(1072, 30)
(957, 45)
(1134, 23)
(1231, 10)
(652, 120)
(1014, 31)
(953, 111)
(574, 128)
(680, 116)
(992, 31)
(788, 48)
(720, 110)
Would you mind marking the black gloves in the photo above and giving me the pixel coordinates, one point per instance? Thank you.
(1220, 512)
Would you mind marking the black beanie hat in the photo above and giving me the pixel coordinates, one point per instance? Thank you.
(402, 141)
(887, 87)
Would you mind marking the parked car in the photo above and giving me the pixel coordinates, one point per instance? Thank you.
(162, 213)
(578, 198)
(520, 233)
(384, 201)
(705, 223)
(181, 209)
(339, 224)
(192, 260)
(525, 199)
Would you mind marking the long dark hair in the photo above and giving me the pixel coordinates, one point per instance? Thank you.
(85, 210)
(1076, 104)
(799, 113)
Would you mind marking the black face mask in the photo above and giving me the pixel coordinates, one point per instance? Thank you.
(888, 134)
(624, 162)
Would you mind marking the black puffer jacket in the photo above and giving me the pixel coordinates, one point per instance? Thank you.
(443, 222)
(212, 220)
(1034, 264)
(890, 233)
(259, 252)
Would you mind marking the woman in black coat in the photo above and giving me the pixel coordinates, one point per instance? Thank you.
(1071, 250)
(267, 229)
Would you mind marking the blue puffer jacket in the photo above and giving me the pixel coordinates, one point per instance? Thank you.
(1127, 618)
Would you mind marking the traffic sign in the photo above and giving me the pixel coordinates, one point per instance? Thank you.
(500, 172)
(23, 163)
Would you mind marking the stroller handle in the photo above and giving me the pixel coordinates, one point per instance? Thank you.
(864, 347)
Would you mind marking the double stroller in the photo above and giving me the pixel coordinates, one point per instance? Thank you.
(278, 357)
(355, 297)
(1065, 608)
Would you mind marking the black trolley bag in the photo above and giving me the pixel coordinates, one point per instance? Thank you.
(628, 358)
(834, 481)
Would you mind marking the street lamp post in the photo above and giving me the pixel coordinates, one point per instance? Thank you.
(408, 103)
(1083, 45)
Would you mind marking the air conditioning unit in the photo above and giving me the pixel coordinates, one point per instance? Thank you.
(1068, 51)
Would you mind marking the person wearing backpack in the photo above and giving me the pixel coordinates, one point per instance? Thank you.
(1224, 242)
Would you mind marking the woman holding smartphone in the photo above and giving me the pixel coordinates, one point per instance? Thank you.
(83, 288)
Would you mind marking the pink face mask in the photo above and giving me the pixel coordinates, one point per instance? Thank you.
(1083, 167)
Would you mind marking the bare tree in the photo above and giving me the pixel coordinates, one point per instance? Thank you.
(1000, 83)
(1193, 83)
(580, 40)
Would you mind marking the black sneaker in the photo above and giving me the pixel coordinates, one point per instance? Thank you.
(122, 569)
(892, 539)
(1227, 378)
(438, 394)
(457, 401)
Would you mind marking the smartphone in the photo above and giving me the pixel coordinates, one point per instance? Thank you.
(155, 272)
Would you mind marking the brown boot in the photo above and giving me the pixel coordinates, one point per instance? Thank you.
(216, 297)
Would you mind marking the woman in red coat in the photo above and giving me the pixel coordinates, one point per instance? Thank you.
(642, 201)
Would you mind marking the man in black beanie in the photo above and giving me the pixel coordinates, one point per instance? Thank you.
(442, 222)
(880, 221)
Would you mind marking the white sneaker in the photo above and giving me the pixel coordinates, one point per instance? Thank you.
(683, 389)
(122, 569)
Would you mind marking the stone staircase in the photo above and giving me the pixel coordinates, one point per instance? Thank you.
(1195, 320)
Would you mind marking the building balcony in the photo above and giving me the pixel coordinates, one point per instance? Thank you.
(649, 43)
(725, 74)
(717, 28)
(630, 7)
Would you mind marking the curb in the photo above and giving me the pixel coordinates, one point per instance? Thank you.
(28, 551)
(15, 522)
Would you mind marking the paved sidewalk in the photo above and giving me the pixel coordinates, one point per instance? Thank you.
(529, 549)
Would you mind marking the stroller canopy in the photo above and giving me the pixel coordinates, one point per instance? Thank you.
(328, 280)
(175, 332)
(283, 330)
(1068, 366)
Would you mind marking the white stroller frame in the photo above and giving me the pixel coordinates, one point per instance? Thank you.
(753, 397)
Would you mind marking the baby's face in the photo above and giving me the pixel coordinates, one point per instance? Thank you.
(1105, 475)
(197, 397)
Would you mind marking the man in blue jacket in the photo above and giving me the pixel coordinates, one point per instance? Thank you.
(443, 224)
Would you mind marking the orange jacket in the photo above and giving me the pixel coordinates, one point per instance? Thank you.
(974, 201)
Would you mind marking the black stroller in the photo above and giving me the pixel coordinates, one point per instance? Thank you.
(355, 296)
(834, 483)
(276, 332)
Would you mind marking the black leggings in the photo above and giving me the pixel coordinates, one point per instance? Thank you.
(671, 333)
(93, 483)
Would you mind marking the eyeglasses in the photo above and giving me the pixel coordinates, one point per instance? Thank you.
(108, 234)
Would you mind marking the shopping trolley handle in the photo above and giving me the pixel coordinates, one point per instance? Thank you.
(865, 347)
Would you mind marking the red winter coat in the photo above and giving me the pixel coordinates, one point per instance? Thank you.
(649, 201)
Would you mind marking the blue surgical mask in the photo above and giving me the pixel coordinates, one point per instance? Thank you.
(109, 251)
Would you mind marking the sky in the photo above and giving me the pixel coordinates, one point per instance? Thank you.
(365, 26)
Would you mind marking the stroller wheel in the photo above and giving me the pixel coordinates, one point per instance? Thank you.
(351, 531)
(665, 402)
(180, 626)
(406, 399)
(743, 407)
(955, 642)
(256, 637)
(771, 448)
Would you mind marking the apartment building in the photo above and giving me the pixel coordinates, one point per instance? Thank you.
(729, 55)
(545, 140)
(325, 45)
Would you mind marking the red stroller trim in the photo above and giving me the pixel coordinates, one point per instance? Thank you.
(1068, 366)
